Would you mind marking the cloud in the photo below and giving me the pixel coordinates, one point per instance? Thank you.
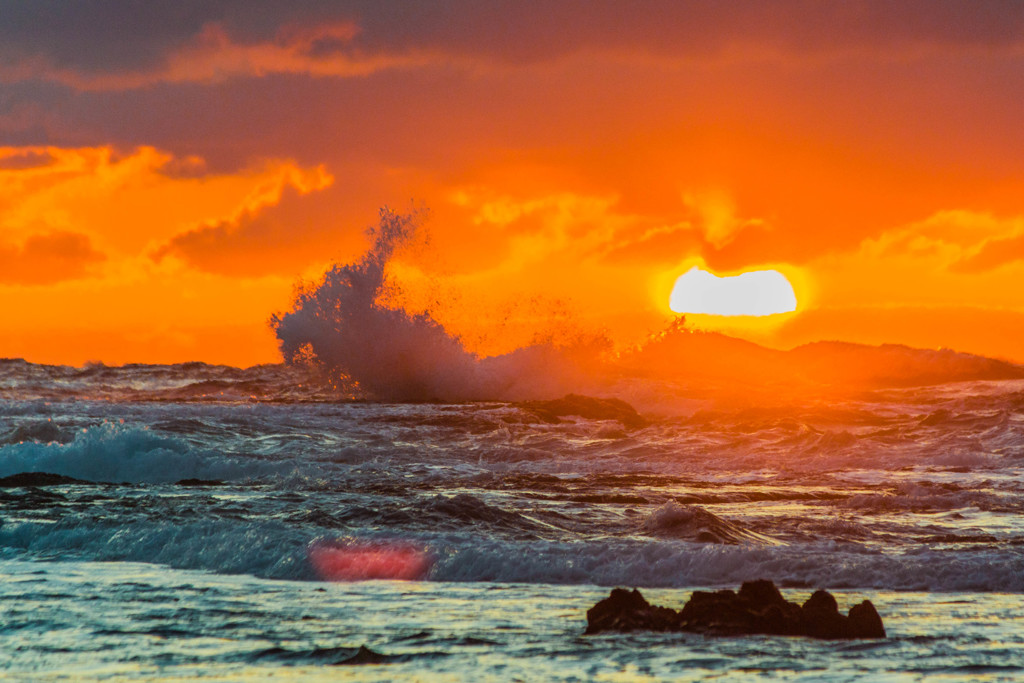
(952, 258)
(47, 259)
(715, 213)
(960, 241)
(110, 45)
(276, 231)
(61, 207)
(993, 253)
(655, 246)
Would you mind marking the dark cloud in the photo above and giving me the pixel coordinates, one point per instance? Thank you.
(46, 259)
(97, 35)
(92, 37)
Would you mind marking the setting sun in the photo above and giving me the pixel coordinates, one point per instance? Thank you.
(756, 293)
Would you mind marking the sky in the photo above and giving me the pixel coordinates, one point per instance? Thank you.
(170, 171)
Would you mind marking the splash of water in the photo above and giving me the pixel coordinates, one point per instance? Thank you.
(341, 325)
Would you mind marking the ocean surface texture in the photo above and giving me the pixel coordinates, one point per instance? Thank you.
(229, 524)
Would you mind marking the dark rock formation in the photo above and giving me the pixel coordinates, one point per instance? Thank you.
(199, 482)
(586, 407)
(364, 656)
(625, 610)
(758, 608)
(38, 479)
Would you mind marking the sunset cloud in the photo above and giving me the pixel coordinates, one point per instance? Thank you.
(48, 258)
(270, 234)
(189, 155)
(922, 264)
(126, 201)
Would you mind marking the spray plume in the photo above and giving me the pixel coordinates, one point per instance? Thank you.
(341, 325)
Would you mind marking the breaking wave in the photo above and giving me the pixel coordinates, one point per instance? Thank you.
(271, 549)
(113, 453)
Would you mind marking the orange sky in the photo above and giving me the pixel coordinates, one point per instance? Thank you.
(168, 172)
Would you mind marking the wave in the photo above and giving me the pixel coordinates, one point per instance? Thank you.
(926, 496)
(266, 549)
(180, 382)
(681, 564)
(115, 453)
(692, 522)
(272, 549)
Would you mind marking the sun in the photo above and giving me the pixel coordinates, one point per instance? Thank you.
(755, 293)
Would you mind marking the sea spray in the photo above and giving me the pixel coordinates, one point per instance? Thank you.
(341, 325)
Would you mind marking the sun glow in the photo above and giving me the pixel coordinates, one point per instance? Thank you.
(756, 293)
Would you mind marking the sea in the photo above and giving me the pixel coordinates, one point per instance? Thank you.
(389, 504)
(215, 523)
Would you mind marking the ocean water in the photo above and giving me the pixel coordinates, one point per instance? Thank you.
(231, 524)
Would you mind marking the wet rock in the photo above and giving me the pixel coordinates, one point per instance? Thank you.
(38, 479)
(865, 621)
(627, 610)
(821, 614)
(585, 407)
(757, 609)
(364, 656)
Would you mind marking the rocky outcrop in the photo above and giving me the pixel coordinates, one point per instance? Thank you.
(758, 608)
(365, 656)
(37, 479)
(585, 407)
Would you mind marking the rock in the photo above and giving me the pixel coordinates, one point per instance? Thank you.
(822, 618)
(865, 622)
(585, 407)
(364, 656)
(625, 610)
(199, 482)
(757, 609)
(38, 479)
